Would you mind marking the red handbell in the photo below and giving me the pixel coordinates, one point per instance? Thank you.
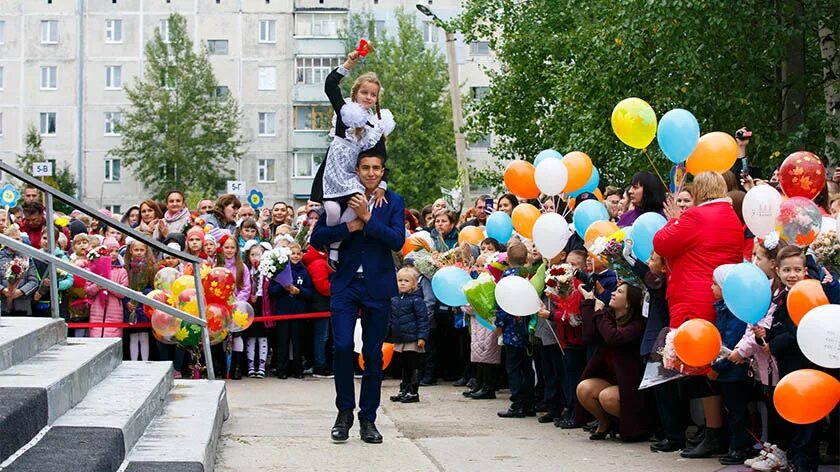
(802, 174)
(364, 47)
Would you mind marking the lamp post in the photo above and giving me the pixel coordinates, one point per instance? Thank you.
(457, 113)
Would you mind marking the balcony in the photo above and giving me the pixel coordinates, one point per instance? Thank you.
(310, 5)
(310, 140)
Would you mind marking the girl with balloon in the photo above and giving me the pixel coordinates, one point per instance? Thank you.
(140, 265)
(231, 259)
(257, 334)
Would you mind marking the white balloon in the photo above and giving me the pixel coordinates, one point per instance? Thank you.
(357, 337)
(828, 224)
(517, 296)
(551, 176)
(818, 336)
(760, 209)
(551, 233)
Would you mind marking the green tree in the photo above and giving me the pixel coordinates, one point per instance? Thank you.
(414, 79)
(180, 132)
(62, 178)
(565, 64)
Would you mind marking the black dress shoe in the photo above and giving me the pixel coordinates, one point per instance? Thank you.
(427, 382)
(369, 433)
(484, 395)
(667, 445)
(541, 407)
(469, 393)
(567, 423)
(591, 426)
(462, 382)
(530, 412)
(341, 428)
(547, 418)
(512, 413)
(737, 457)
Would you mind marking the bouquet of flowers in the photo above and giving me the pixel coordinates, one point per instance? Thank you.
(424, 262)
(559, 280)
(99, 261)
(481, 295)
(274, 264)
(16, 268)
(610, 250)
(497, 264)
(827, 250)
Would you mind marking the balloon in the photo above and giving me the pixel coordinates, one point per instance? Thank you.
(203, 268)
(551, 176)
(747, 278)
(158, 295)
(164, 278)
(678, 134)
(806, 396)
(588, 212)
(241, 317)
(357, 337)
(538, 279)
(716, 152)
(551, 233)
(163, 339)
(804, 297)
(547, 154)
(760, 209)
(448, 285)
(818, 334)
(579, 170)
(218, 285)
(499, 226)
(187, 301)
(634, 122)
(599, 229)
(644, 229)
(697, 342)
(485, 324)
(523, 217)
(181, 283)
(187, 335)
(799, 221)
(591, 185)
(387, 354)
(218, 319)
(519, 179)
(164, 325)
(802, 174)
(417, 241)
(471, 235)
(517, 296)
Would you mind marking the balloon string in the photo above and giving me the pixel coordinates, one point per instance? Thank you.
(655, 169)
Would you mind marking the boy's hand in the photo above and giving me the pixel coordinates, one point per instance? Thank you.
(735, 357)
(421, 343)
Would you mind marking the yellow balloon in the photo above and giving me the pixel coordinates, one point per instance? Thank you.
(182, 283)
(634, 122)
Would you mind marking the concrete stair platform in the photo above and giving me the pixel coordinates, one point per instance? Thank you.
(185, 436)
(22, 338)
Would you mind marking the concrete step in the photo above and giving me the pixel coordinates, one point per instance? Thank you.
(34, 393)
(104, 425)
(184, 437)
(22, 337)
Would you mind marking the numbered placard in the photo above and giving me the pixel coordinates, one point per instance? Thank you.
(236, 187)
(42, 169)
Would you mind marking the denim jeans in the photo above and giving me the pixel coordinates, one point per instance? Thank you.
(320, 335)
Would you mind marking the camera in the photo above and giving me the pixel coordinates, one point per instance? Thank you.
(743, 133)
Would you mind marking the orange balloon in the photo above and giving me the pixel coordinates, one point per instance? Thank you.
(579, 167)
(803, 297)
(806, 396)
(716, 152)
(471, 234)
(519, 179)
(598, 229)
(599, 195)
(524, 216)
(387, 354)
(414, 243)
(697, 343)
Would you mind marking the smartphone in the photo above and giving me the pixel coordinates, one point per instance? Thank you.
(488, 205)
(745, 169)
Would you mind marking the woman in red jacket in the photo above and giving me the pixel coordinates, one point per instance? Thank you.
(693, 245)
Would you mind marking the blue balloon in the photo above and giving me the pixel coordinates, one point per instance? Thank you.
(746, 292)
(499, 226)
(644, 229)
(678, 134)
(485, 323)
(588, 212)
(448, 286)
(590, 185)
(547, 154)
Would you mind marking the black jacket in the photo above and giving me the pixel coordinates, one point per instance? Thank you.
(409, 318)
(782, 339)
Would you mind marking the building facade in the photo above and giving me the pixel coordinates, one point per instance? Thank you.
(64, 65)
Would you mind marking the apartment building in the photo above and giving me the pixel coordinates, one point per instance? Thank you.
(64, 66)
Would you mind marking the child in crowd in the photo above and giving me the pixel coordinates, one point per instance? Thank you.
(77, 302)
(409, 328)
(141, 268)
(211, 247)
(195, 242)
(16, 293)
(485, 352)
(106, 306)
(257, 333)
(247, 231)
(231, 258)
(550, 354)
(41, 302)
(290, 300)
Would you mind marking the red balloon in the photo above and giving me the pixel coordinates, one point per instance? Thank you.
(218, 285)
(697, 342)
(387, 354)
(158, 295)
(218, 318)
(802, 174)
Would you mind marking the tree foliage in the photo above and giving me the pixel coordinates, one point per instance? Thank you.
(565, 64)
(179, 132)
(62, 178)
(414, 79)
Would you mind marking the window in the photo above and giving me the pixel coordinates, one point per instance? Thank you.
(46, 125)
(306, 163)
(49, 32)
(319, 24)
(267, 123)
(265, 170)
(268, 31)
(114, 209)
(267, 78)
(478, 93)
(2, 78)
(479, 48)
(113, 31)
(1, 124)
(164, 30)
(112, 119)
(221, 91)
(49, 77)
(217, 47)
(378, 28)
(2, 32)
(314, 70)
(112, 170)
(313, 117)
(113, 77)
(430, 34)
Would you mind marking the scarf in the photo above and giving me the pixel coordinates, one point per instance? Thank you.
(170, 217)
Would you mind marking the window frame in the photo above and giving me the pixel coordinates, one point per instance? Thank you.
(163, 27)
(212, 51)
(313, 160)
(430, 32)
(476, 48)
(108, 170)
(260, 85)
(109, 74)
(313, 70)
(114, 118)
(1, 123)
(2, 31)
(54, 77)
(113, 26)
(315, 109)
(45, 115)
(50, 32)
(263, 123)
(263, 166)
(271, 32)
(2, 78)
(311, 24)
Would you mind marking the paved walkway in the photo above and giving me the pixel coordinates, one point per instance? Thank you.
(284, 425)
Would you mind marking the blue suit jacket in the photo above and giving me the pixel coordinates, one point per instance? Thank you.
(371, 248)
